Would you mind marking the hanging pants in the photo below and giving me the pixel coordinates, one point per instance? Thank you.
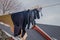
(17, 19)
(20, 20)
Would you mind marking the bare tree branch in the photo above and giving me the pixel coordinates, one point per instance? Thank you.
(6, 2)
(7, 5)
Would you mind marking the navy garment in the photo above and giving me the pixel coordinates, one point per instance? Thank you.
(36, 13)
(17, 19)
(20, 20)
(33, 14)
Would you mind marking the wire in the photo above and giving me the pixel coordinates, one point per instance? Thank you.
(51, 5)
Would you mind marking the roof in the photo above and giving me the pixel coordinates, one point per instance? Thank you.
(51, 30)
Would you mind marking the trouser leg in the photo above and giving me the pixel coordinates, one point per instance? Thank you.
(23, 28)
(17, 30)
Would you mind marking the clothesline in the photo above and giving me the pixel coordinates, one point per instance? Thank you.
(55, 4)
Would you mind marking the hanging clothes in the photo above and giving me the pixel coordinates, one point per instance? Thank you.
(17, 19)
(20, 20)
(36, 14)
(23, 18)
(33, 14)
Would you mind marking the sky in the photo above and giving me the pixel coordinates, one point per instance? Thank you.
(51, 15)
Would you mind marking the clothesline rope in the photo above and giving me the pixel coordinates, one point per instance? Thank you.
(55, 4)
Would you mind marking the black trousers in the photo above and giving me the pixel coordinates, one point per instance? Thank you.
(20, 20)
(17, 19)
